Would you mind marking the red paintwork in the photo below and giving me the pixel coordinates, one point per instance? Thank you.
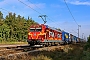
(44, 34)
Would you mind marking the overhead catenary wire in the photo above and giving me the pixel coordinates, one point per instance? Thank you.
(39, 9)
(36, 10)
(26, 5)
(36, 6)
(29, 6)
(70, 12)
(73, 17)
(44, 12)
(5, 10)
(33, 9)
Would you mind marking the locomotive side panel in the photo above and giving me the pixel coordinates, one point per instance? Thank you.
(53, 35)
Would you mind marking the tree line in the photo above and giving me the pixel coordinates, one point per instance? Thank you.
(14, 28)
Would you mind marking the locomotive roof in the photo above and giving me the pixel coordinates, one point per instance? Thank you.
(52, 28)
(35, 25)
(39, 25)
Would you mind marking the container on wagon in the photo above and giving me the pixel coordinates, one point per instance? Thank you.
(65, 36)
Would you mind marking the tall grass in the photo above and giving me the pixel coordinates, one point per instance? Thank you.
(41, 57)
(5, 43)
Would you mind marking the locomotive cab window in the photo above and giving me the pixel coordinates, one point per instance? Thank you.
(32, 29)
(35, 29)
(38, 29)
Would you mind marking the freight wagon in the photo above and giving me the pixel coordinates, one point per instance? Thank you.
(65, 37)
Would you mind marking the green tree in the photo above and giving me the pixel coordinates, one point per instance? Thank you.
(88, 39)
(1, 18)
(1, 15)
(4, 32)
(14, 28)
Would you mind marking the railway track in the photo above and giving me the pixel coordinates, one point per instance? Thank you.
(10, 51)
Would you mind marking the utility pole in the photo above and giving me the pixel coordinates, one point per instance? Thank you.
(82, 35)
(78, 30)
(44, 19)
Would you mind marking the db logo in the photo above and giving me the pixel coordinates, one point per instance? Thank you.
(34, 34)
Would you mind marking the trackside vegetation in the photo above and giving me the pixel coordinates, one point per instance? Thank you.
(77, 52)
(14, 28)
(69, 52)
(87, 46)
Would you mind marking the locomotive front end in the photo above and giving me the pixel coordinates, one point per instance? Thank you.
(35, 34)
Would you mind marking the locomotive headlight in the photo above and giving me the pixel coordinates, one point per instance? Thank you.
(28, 33)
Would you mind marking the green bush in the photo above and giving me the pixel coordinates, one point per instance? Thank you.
(87, 46)
(86, 55)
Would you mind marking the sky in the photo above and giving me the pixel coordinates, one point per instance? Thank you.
(58, 15)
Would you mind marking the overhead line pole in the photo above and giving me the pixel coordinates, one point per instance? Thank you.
(78, 30)
(73, 17)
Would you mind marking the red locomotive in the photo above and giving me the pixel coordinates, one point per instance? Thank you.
(43, 34)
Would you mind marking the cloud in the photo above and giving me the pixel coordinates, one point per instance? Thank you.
(39, 5)
(16, 3)
(19, 8)
(77, 2)
(8, 2)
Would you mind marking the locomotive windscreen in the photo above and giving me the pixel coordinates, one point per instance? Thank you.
(32, 29)
(35, 29)
(38, 29)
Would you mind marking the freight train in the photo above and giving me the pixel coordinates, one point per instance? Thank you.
(44, 35)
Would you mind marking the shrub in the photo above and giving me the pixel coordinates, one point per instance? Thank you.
(87, 46)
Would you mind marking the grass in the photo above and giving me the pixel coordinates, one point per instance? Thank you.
(6, 43)
(76, 53)
(41, 57)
